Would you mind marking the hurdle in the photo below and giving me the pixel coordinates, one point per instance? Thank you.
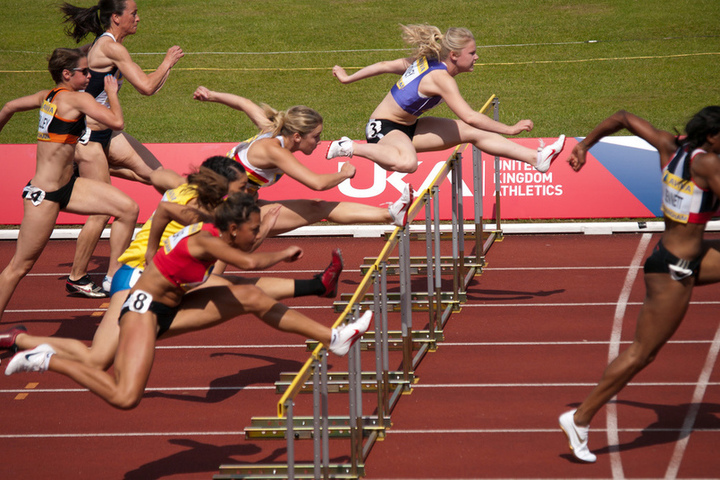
(380, 389)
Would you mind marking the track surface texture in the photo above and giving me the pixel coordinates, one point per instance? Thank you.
(531, 341)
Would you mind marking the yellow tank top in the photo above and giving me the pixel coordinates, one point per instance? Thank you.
(134, 256)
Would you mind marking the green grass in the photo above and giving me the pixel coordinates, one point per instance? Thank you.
(659, 59)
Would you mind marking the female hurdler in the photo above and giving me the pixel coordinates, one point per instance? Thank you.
(102, 151)
(395, 132)
(54, 186)
(681, 259)
(161, 299)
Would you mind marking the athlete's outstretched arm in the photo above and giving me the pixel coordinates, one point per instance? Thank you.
(663, 141)
(146, 84)
(397, 67)
(22, 104)
(254, 112)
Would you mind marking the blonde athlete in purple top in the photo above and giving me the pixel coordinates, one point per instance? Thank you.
(395, 133)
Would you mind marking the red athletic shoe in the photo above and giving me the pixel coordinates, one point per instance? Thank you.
(7, 337)
(331, 275)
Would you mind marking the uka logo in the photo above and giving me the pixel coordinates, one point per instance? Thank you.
(381, 179)
(516, 179)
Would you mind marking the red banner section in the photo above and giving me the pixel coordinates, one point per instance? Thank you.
(613, 184)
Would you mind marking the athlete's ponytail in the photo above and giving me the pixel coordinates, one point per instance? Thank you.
(211, 187)
(95, 19)
(298, 119)
(428, 41)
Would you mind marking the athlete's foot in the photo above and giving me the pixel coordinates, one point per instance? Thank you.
(548, 154)
(399, 209)
(577, 437)
(331, 275)
(345, 336)
(107, 285)
(35, 360)
(340, 148)
(84, 287)
(8, 337)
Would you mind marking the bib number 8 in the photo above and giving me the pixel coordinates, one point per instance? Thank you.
(138, 302)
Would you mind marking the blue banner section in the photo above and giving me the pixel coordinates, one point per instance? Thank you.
(636, 164)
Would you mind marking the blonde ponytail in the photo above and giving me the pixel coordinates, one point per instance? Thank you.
(298, 119)
(428, 41)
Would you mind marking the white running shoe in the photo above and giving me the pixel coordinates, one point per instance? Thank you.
(399, 209)
(345, 336)
(107, 284)
(577, 437)
(340, 148)
(548, 154)
(35, 360)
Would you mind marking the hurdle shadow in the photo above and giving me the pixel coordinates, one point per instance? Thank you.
(204, 458)
(506, 295)
(218, 390)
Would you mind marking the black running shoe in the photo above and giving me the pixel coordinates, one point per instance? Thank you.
(84, 287)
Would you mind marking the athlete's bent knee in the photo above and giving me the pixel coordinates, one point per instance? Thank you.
(406, 165)
(127, 401)
(253, 300)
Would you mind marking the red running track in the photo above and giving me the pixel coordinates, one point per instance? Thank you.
(532, 340)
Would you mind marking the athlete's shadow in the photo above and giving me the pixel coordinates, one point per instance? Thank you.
(668, 426)
(222, 388)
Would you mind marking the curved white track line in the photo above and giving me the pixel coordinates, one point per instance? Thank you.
(697, 397)
(614, 350)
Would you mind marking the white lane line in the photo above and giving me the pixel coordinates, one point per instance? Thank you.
(419, 386)
(614, 349)
(318, 307)
(391, 431)
(520, 430)
(697, 397)
(121, 434)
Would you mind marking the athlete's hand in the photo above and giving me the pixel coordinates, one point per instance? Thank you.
(202, 94)
(578, 156)
(111, 85)
(340, 74)
(522, 126)
(348, 169)
(174, 54)
(293, 253)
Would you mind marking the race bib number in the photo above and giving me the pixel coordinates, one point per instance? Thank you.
(373, 129)
(417, 68)
(34, 194)
(172, 241)
(85, 137)
(138, 301)
(677, 197)
(47, 112)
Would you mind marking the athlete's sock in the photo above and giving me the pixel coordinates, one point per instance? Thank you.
(304, 288)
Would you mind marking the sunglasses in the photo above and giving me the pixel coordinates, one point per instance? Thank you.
(85, 71)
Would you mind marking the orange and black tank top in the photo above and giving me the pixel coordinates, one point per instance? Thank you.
(53, 128)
